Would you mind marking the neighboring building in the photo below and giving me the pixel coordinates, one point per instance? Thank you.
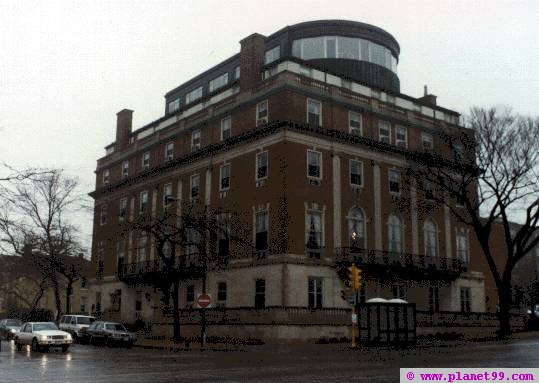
(525, 276)
(21, 286)
(306, 133)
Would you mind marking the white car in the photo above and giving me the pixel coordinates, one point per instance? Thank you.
(73, 324)
(41, 336)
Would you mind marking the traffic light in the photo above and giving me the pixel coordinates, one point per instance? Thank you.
(354, 276)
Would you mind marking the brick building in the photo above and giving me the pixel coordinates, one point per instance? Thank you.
(305, 133)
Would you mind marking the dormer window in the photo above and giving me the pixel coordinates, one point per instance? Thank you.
(218, 82)
(272, 55)
(106, 177)
(145, 162)
(193, 95)
(173, 105)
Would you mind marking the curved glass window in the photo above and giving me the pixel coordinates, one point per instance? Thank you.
(345, 48)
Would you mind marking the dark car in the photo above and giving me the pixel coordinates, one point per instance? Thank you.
(109, 333)
(9, 327)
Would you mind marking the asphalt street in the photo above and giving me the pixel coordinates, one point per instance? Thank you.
(267, 363)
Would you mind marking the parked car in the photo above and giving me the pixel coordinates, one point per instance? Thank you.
(9, 327)
(73, 324)
(41, 336)
(109, 333)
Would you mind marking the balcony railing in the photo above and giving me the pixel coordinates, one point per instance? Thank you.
(367, 257)
(186, 265)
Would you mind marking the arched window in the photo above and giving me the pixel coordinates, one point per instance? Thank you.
(431, 238)
(356, 228)
(395, 233)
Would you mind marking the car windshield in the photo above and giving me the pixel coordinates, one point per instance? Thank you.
(115, 327)
(44, 326)
(13, 322)
(85, 320)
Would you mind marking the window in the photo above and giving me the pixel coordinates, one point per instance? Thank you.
(314, 164)
(434, 299)
(125, 169)
(106, 176)
(169, 151)
(465, 300)
(356, 228)
(104, 215)
(272, 55)
(261, 236)
(315, 293)
(142, 244)
(260, 293)
(143, 202)
(313, 233)
(223, 236)
(262, 113)
(120, 254)
(123, 209)
(195, 186)
(221, 291)
(138, 301)
(195, 140)
(401, 137)
(192, 245)
(190, 294)
(226, 128)
(224, 177)
(83, 303)
(394, 181)
(431, 238)
(145, 162)
(462, 247)
(314, 113)
(261, 165)
(100, 259)
(173, 105)
(218, 82)
(426, 141)
(167, 194)
(384, 132)
(355, 123)
(98, 301)
(237, 73)
(458, 151)
(193, 95)
(399, 291)
(428, 189)
(395, 234)
(356, 173)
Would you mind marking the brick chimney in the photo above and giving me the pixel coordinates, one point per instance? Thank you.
(251, 60)
(427, 98)
(124, 124)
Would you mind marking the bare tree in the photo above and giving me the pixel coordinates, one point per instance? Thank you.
(35, 213)
(490, 176)
(203, 235)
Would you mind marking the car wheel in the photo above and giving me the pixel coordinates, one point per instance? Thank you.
(65, 347)
(18, 345)
(108, 342)
(35, 345)
(92, 340)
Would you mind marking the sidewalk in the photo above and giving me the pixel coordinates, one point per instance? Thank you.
(169, 345)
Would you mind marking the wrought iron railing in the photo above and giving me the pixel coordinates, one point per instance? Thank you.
(187, 264)
(389, 258)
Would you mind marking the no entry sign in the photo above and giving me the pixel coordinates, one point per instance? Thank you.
(203, 300)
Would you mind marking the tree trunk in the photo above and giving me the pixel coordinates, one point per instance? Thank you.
(69, 290)
(504, 303)
(57, 298)
(175, 304)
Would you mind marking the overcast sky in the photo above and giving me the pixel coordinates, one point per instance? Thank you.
(67, 67)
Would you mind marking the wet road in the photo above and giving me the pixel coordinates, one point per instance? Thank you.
(312, 363)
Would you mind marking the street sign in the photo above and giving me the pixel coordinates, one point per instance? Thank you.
(203, 300)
